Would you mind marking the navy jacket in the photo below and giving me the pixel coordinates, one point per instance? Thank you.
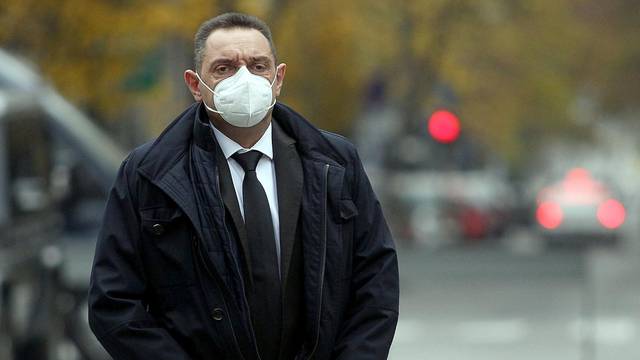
(167, 280)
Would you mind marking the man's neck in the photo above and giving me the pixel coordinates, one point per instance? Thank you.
(245, 137)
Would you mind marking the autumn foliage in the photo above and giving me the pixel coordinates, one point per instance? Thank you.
(515, 68)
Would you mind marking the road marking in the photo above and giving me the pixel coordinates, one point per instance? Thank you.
(410, 331)
(493, 331)
(605, 331)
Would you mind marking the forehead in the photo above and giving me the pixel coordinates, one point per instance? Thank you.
(236, 42)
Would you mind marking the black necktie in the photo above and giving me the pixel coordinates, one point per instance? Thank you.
(265, 302)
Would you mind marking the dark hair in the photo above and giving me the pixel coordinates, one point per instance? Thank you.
(228, 21)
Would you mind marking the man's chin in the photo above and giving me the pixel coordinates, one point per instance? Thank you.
(219, 122)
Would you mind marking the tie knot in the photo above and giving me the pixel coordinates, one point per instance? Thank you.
(248, 160)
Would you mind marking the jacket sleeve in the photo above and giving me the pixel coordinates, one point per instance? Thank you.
(117, 312)
(372, 315)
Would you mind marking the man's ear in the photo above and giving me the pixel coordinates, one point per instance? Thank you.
(191, 79)
(281, 70)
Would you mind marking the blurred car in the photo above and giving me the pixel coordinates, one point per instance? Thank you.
(56, 168)
(579, 209)
(446, 207)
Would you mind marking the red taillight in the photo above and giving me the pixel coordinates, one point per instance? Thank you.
(611, 214)
(549, 215)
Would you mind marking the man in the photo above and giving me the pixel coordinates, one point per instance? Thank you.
(242, 231)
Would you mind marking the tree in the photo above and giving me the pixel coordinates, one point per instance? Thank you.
(516, 67)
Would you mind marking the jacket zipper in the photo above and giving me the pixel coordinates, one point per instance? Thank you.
(324, 258)
(235, 263)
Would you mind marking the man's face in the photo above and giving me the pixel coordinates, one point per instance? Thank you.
(229, 49)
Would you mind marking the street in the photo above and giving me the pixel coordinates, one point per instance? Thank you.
(488, 302)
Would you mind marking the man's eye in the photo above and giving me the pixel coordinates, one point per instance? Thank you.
(260, 67)
(223, 69)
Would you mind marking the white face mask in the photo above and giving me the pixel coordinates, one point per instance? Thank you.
(243, 100)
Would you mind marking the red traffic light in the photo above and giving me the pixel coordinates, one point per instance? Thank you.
(444, 126)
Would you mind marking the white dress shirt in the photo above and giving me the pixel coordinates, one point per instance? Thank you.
(265, 171)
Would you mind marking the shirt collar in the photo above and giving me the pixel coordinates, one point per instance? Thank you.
(230, 147)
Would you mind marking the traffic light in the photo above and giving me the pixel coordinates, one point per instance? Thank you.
(444, 126)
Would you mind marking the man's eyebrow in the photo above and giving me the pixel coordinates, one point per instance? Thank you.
(219, 61)
(260, 59)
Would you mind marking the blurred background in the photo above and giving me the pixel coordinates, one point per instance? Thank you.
(501, 137)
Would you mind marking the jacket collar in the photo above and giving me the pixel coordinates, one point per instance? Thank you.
(192, 126)
(311, 143)
(202, 134)
(172, 145)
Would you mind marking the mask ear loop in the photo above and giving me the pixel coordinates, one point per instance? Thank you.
(212, 93)
(271, 86)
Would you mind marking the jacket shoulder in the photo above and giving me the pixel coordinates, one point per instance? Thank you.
(134, 158)
(128, 175)
(343, 146)
(136, 155)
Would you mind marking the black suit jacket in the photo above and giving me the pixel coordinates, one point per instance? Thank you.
(289, 181)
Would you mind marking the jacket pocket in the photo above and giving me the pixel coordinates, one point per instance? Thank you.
(340, 239)
(342, 210)
(347, 210)
(167, 250)
(184, 316)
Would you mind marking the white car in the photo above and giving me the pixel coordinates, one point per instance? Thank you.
(579, 208)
